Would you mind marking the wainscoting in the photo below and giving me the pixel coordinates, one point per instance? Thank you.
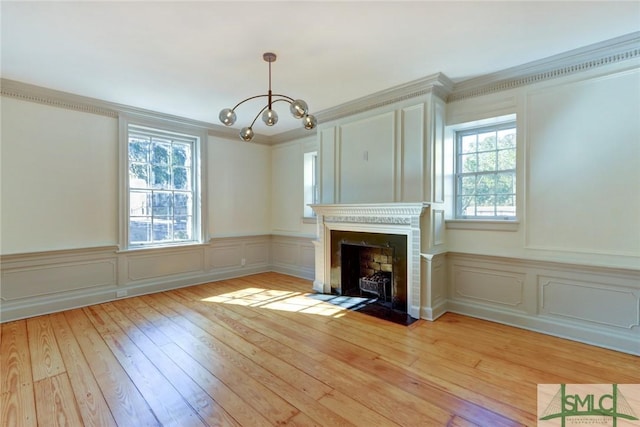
(47, 282)
(595, 305)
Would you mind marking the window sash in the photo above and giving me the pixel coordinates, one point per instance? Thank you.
(484, 187)
(162, 207)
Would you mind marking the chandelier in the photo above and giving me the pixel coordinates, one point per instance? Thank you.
(298, 108)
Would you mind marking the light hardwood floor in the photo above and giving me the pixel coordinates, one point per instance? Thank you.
(259, 351)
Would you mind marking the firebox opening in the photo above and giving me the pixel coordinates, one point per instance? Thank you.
(371, 265)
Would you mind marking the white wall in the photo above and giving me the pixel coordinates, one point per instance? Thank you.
(287, 187)
(239, 188)
(59, 178)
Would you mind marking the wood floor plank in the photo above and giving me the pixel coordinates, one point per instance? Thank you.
(222, 363)
(235, 333)
(126, 404)
(55, 402)
(45, 354)
(18, 406)
(91, 403)
(168, 405)
(207, 408)
(260, 351)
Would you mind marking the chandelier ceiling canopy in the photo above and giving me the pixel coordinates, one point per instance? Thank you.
(298, 108)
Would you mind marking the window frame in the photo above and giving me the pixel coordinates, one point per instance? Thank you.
(451, 153)
(308, 213)
(181, 131)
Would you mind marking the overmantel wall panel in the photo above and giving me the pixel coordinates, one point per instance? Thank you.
(384, 155)
(367, 159)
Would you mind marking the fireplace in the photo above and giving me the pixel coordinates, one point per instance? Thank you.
(417, 269)
(370, 265)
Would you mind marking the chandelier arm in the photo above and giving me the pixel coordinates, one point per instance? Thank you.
(258, 115)
(290, 99)
(281, 99)
(249, 99)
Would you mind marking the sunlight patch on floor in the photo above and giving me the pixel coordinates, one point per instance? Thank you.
(319, 304)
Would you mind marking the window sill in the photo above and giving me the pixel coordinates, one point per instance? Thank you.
(482, 224)
(177, 246)
(309, 220)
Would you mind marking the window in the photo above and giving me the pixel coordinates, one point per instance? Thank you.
(163, 187)
(485, 173)
(310, 182)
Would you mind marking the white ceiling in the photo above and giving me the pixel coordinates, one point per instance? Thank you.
(191, 59)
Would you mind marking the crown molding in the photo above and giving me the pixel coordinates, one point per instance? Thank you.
(608, 52)
(438, 83)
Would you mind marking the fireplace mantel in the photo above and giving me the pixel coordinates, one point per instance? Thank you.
(410, 219)
(371, 211)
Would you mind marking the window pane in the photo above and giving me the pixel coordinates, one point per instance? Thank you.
(467, 206)
(505, 183)
(181, 155)
(469, 163)
(182, 228)
(139, 175)
(486, 184)
(161, 176)
(139, 230)
(487, 141)
(507, 138)
(162, 204)
(139, 203)
(468, 144)
(139, 149)
(467, 185)
(507, 159)
(487, 161)
(181, 178)
(162, 229)
(160, 154)
(182, 204)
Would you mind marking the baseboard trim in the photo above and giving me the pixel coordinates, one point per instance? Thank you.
(71, 300)
(559, 328)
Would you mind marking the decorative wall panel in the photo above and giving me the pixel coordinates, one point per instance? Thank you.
(589, 302)
(144, 267)
(55, 278)
(488, 286)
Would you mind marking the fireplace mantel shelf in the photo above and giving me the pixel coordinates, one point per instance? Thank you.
(370, 209)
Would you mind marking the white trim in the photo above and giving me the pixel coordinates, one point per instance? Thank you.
(480, 224)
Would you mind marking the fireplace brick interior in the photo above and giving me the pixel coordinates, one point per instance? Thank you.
(370, 256)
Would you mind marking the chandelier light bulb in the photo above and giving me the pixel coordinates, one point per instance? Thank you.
(309, 122)
(299, 108)
(227, 117)
(270, 117)
(246, 134)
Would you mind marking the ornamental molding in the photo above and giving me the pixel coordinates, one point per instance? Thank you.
(437, 84)
(388, 213)
(591, 57)
(395, 220)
